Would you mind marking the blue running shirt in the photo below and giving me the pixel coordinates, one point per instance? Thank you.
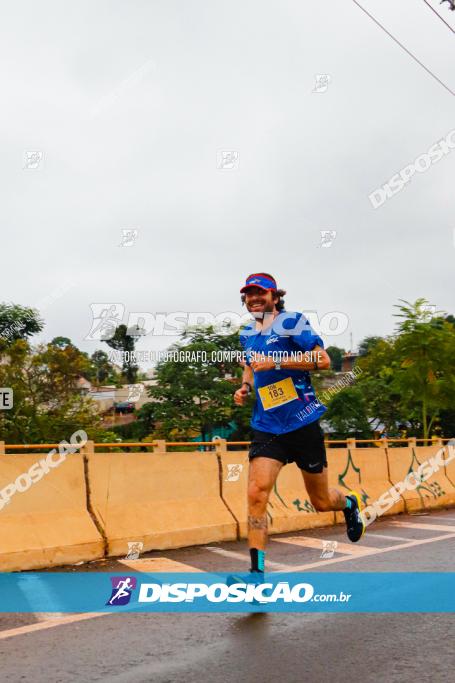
(289, 332)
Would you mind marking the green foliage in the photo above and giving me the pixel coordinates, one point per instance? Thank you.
(47, 405)
(18, 322)
(61, 342)
(102, 371)
(410, 377)
(368, 345)
(425, 350)
(193, 397)
(347, 414)
(378, 386)
(146, 417)
(407, 379)
(336, 356)
(121, 341)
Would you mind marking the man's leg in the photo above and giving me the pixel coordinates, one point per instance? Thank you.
(325, 500)
(262, 475)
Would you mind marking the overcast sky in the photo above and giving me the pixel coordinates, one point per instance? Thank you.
(130, 102)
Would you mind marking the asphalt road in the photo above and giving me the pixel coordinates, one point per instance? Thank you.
(289, 648)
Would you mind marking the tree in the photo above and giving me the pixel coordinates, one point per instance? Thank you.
(376, 383)
(121, 341)
(102, 369)
(336, 356)
(409, 378)
(146, 418)
(47, 405)
(61, 342)
(18, 322)
(347, 414)
(368, 345)
(426, 351)
(194, 396)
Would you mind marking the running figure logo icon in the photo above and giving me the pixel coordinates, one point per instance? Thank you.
(134, 550)
(322, 82)
(106, 318)
(227, 159)
(135, 392)
(129, 237)
(327, 238)
(328, 549)
(234, 472)
(33, 159)
(122, 587)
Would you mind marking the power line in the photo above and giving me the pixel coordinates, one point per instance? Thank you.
(404, 48)
(438, 15)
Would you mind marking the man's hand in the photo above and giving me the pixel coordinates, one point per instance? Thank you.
(241, 395)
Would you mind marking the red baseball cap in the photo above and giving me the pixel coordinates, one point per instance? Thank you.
(259, 280)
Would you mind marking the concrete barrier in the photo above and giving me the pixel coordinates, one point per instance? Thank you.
(363, 469)
(234, 485)
(47, 524)
(449, 454)
(435, 492)
(162, 500)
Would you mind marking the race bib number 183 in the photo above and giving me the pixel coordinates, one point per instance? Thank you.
(277, 394)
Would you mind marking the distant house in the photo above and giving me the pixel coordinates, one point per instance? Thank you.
(348, 361)
(104, 397)
(83, 386)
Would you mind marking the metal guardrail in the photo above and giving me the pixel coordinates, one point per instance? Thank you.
(162, 445)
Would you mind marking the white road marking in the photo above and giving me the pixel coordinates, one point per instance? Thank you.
(317, 544)
(50, 623)
(244, 558)
(157, 564)
(379, 551)
(422, 525)
(373, 534)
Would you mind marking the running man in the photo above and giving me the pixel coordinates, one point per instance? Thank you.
(123, 589)
(286, 414)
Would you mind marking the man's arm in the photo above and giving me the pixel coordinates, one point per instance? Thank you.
(248, 376)
(316, 359)
(247, 387)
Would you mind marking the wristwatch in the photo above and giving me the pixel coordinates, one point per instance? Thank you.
(250, 388)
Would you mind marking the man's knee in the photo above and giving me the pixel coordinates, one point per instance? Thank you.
(257, 496)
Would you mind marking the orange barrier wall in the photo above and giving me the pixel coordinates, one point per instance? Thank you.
(449, 452)
(363, 469)
(436, 491)
(180, 499)
(163, 500)
(234, 484)
(48, 524)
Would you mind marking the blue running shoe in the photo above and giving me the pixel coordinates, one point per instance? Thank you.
(253, 577)
(353, 516)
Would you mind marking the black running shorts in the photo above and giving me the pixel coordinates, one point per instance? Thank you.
(304, 446)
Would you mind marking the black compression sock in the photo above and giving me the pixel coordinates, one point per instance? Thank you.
(257, 560)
